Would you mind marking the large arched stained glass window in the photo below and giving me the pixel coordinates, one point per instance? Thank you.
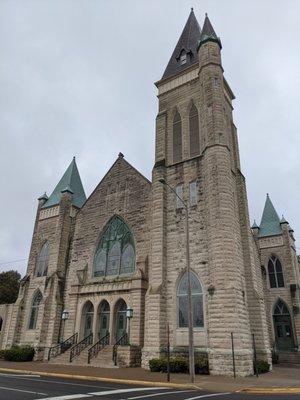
(37, 298)
(275, 272)
(43, 260)
(197, 301)
(115, 254)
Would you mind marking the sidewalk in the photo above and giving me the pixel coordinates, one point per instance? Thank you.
(280, 377)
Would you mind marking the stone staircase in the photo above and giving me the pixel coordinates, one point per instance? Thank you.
(289, 357)
(61, 359)
(104, 358)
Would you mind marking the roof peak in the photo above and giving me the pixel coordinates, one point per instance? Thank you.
(187, 43)
(270, 222)
(69, 182)
(208, 33)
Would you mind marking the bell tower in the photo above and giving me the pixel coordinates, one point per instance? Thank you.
(196, 153)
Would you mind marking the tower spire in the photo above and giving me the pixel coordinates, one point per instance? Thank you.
(208, 33)
(185, 52)
(270, 222)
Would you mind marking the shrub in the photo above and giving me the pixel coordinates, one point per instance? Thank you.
(2, 354)
(179, 365)
(261, 366)
(19, 353)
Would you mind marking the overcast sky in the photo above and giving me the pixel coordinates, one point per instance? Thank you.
(76, 78)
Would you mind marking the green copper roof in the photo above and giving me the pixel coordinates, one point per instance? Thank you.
(70, 182)
(270, 222)
(208, 33)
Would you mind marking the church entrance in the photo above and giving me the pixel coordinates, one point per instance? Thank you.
(283, 327)
(120, 319)
(104, 319)
(88, 316)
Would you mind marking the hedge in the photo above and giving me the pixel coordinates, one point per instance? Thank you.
(261, 367)
(19, 353)
(179, 365)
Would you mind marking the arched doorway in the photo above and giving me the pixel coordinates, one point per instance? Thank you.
(283, 327)
(87, 318)
(104, 314)
(120, 322)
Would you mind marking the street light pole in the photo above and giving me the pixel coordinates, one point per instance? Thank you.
(189, 290)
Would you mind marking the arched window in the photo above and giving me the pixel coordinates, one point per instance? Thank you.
(43, 260)
(37, 298)
(197, 301)
(275, 272)
(177, 138)
(194, 131)
(115, 254)
(1, 323)
(281, 308)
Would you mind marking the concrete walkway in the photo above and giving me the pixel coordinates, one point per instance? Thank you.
(280, 377)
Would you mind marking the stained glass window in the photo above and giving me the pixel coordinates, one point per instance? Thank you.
(43, 260)
(197, 301)
(34, 310)
(194, 132)
(275, 272)
(115, 254)
(281, 308)
(177, 138)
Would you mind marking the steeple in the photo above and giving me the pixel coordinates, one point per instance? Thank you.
(270, 222)
(185, 52)
(70, 182)
(208, 33)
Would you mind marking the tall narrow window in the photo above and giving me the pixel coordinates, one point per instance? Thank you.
(197, 301)
(1, 322)
(34, 310)
(179, 192)
(275, 272)
(193, 193)
(177, 138)
(194, 132)
(43, 260)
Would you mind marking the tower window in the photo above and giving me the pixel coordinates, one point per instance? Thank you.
(43, 260)
(194, 132)
(34, 310)
(179, 192)
(275, 273)
(177, 138)
(183, 58)
(193, 193)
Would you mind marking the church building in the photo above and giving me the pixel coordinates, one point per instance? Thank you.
(107, 274)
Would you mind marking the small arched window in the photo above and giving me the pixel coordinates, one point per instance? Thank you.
(281, 308)
(36, 301)
(43, 260)
(194, 131)
(177, 138)
(115, 254)
(275, 272)
(197, 301)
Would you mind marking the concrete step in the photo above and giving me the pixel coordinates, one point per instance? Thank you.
(289, 357)
(104, 358)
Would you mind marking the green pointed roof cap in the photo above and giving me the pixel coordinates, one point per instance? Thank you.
(43, 197)
(187, 42)
(283, 220)
(254, 225)
(70, 182)
(270, 222)
(208, 33)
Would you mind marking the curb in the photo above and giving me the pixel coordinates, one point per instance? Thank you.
(96, 378)
(271, 390)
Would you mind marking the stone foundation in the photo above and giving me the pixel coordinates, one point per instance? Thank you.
(129, 356)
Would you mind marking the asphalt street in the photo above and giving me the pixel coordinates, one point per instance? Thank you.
(29, 387)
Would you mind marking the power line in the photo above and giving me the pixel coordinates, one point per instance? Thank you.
(13, 261)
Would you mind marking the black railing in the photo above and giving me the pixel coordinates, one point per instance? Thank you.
(94, 350)
(60, 348)
(123, 341)
(77, 349)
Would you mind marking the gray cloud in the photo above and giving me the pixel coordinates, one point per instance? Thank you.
(76, 78)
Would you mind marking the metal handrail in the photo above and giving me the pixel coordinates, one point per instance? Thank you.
(123, 341)
(60, 348)
(77, 349)
(94, 350)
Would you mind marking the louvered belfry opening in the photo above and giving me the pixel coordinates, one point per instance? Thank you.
(194, 132)
(177, 138)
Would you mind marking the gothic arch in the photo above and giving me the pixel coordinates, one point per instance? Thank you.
(283, 326)
(42, 261)
(194, 130)
(275, 272)
(177, 137)
(37, 298)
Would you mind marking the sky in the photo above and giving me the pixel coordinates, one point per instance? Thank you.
(77, 79)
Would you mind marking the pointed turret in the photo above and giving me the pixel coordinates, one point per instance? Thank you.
(254, 225)
(185, 52)
(270, 222)
(208, 33)
(70, 182)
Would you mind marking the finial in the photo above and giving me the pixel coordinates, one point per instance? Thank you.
(192, 9)
(121, 155)
(267, 194)
(206, 15)
(74, 158)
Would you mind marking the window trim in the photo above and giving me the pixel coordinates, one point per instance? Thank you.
(37, 296)
(274, 272)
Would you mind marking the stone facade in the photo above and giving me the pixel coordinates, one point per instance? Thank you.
(225, 256)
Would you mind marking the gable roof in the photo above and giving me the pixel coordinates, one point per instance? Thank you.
(70, 182)
(188, 41)
(270, 222)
